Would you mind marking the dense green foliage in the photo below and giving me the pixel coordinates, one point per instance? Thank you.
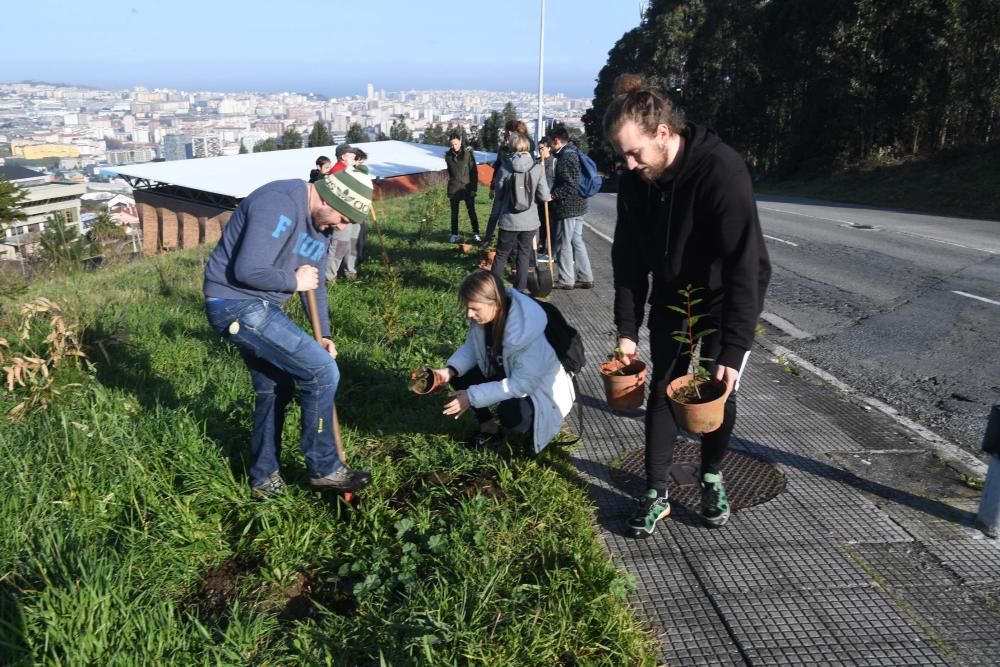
(129, 532)
(319, 136)
(795, 86)
(11, 197)
(399, 131)
(291, 138)
(356, 134)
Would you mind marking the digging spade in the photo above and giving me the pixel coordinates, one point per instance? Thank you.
(318, 335)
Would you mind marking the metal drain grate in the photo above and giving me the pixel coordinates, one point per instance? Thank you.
(750, 480)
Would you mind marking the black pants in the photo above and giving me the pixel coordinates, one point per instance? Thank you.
(515, 414)
(518, 243)
(670, 363)
(470, 205)
(555, 233)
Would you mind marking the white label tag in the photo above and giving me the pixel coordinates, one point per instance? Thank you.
(234, 328)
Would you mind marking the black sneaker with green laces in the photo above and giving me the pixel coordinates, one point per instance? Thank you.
(652, 508)
(714, 504)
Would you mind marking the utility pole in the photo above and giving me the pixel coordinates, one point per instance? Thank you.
(541, 70)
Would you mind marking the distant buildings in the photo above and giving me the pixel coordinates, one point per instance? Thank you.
(206, 146)
(177, 147)
(44, 199)
(130, 155)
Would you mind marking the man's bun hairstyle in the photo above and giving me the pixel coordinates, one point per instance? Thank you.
(635, 101)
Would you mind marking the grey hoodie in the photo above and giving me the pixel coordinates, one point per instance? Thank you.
(527, 220)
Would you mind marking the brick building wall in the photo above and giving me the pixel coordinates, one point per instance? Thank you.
(173, 223)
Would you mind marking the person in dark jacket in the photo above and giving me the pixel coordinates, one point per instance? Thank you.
(567, 209)
(275, 245)
(463, 180)
(686, 216)
(323, 165)
(551, 231)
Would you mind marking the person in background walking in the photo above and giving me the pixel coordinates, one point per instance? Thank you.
(518, 228)
(686, 216)
(463, 180)
(273, 246)
(568, 208)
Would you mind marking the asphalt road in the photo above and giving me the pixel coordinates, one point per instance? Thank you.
(904, 307)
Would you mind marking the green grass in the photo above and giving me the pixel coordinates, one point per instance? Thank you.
(960, 184)
(129, 532)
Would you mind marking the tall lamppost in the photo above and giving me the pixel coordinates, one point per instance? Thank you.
(541, 71)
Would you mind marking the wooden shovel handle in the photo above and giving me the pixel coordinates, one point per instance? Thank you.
(318, 335)
(548, 243)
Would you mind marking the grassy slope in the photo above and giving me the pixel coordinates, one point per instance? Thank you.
(130, 536)
(963, 186)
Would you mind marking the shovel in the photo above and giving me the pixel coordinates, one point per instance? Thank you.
(318, 335)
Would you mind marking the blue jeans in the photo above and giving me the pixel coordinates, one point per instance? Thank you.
(574, 262)
(278, 355)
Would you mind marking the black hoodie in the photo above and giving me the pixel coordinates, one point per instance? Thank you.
(701, 229)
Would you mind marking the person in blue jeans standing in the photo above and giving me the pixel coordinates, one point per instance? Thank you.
(568, 209)
(275, 244)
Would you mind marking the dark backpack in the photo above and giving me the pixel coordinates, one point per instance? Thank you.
(563, 338)
(521, 190)
(590, 181)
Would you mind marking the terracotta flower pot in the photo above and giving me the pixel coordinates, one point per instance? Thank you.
(624, 385)
(698, 415)
(425, 381)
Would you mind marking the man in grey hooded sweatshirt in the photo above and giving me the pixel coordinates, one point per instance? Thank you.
(518, 228)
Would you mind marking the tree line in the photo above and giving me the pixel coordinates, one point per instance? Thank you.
(800, 87)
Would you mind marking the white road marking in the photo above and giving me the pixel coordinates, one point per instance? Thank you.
(785, 326)
(894, 231)
(977, 298)
(775, 238)
(598, 232)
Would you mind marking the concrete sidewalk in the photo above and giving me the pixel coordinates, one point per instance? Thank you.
(851, 541)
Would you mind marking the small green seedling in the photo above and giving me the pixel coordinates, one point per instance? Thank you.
(692, 338)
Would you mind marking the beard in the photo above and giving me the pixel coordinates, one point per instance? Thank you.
(327, 218)
(652, 172)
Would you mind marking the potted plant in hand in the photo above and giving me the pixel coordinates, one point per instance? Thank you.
(624, 383)
(696, 399)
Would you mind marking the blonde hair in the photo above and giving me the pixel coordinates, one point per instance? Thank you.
(635, 101)
(483, 287)
(520, 143)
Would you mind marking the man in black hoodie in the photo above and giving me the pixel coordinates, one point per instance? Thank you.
(686, 216)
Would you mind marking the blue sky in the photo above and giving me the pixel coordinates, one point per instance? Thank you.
(330, 47)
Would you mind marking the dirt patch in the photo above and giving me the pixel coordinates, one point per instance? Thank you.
(309, 590)
(220, 584)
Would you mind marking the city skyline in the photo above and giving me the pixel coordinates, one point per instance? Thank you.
(396, 45)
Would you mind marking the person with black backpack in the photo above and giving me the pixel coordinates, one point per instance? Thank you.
(520, 183)
(506, 361)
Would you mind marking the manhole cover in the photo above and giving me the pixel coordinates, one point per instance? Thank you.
(750, 480)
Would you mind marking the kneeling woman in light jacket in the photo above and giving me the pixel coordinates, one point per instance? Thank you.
(506, 361)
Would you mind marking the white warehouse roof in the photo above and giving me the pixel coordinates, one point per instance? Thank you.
(239, 175)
